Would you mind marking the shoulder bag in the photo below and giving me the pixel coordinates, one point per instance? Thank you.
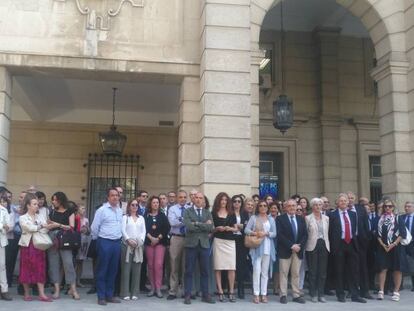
(41, 241)
(252, 241)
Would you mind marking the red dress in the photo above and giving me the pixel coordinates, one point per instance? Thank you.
(32, 265)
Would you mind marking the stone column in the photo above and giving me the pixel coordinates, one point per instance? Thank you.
(396, 160)
(327, 40)
(226, 148)
(189, 135)
(5, 106)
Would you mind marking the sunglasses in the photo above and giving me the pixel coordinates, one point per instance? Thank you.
(388, 206)
(237, 201)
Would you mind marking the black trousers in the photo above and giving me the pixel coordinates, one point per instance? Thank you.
(12, 249)
(346, 265)
(372, 248)
(242, 266)
(363, 269)
(317, 267)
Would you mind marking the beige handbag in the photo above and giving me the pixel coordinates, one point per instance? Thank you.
(251, 241)
(41, 241)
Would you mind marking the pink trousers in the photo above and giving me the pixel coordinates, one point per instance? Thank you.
(155, 261)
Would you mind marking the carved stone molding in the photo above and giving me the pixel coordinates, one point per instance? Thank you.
(102, 21)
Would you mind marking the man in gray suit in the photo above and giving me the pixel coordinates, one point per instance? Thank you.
(199, 224)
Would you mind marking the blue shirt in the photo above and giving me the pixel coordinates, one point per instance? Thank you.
(107, 223)
(175, 218)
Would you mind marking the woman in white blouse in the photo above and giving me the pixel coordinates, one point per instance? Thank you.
(133, 236)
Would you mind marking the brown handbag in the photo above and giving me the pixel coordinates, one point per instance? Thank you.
(252, 241)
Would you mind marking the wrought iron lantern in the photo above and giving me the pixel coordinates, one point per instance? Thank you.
(112, 142)
(283, 113)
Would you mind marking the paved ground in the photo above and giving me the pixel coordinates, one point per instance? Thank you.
(88, 303)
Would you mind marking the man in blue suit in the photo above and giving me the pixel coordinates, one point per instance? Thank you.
(291, 239)
(408, 219)
(344, 248)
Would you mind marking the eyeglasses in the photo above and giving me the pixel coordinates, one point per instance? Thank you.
(388, 206)
(299, 210)
(326, 202)
(237, 201)
(144, 195)
(265, 205)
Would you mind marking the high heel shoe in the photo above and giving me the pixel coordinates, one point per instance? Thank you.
(221, 297)
(75, 296)
(232, 298)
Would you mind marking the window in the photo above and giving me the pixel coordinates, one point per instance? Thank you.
(375, 184)
(110, 171)
(270, 174)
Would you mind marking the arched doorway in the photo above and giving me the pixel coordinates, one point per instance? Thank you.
(384, 25)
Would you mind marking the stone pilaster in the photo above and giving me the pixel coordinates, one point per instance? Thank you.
(189, 135)
(327, 40)
(5, 106)
(396, 159)
(226, 131)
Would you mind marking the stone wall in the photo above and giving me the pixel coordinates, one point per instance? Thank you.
(51, 156)
(160, 30)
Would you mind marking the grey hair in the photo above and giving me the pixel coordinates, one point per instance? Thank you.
(315, 201)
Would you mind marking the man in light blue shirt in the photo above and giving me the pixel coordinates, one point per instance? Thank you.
(106, 229)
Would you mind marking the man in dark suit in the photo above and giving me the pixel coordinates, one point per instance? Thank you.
(363, 234)
(408, 219)
(344, 248)
(291, 238)
(373, 243)
(199, 224)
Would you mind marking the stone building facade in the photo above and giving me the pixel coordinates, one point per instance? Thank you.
(196, 64)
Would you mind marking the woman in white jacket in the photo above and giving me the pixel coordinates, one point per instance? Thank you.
(133, 236)
(32, 260)
(5, 227)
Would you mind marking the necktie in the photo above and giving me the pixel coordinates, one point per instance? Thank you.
(199, 214)
(182, 229)
(347, 229)
(294, 229)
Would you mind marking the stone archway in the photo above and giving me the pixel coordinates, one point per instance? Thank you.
(384, 21)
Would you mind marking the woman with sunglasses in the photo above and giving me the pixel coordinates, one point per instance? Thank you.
(391, 230)
(263, 226)
(242, 267)
(132, 250)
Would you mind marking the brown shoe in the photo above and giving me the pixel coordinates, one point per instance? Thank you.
(102, 302)
(6, 296)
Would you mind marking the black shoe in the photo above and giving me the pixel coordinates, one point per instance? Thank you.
(329, 293)
(171, 297)
(412, 289)
(193, 297)
(6, 297)
(113, 300)
(368, 296)
(341, 299)
(102, 302)
(187, 300)
(348, 295)
(299, 300)
(91, 291)
(359, 299)
(208, 299)
(283, 300)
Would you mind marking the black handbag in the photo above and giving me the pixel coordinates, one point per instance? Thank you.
(68, 239)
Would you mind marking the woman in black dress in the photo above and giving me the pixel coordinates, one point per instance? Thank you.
(391, 230)
(242, 266)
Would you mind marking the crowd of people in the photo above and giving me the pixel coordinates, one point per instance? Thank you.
(352, 249)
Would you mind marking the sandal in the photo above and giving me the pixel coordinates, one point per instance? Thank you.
(45, 299)
(221, 297)
(380, 295)
(264, 299)
(28, 298)
(256, 299)
(395, 296)
(232, 298)
(75, 296)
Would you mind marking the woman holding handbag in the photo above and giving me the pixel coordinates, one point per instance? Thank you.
(32, 260)
(262, 227)
(61, 218)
